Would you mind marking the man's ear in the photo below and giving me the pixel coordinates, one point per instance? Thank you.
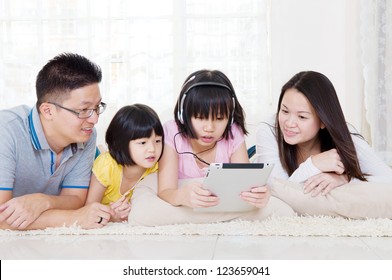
(46, 110)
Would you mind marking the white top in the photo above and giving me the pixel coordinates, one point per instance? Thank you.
(267, 152)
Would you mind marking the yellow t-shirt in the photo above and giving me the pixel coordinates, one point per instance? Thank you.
(109, 173)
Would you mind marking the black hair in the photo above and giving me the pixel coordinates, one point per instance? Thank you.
(320, 92)
(203, 100)
(64, 73)
(129, 123)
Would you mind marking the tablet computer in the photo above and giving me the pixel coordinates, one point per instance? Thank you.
(228, 180)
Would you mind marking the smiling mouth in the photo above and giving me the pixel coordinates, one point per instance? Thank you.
(290, 133)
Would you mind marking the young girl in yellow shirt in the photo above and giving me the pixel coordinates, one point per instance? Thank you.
(135, 143)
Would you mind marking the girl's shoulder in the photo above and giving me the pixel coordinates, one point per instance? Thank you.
(236, 131)
(172, 134)
(170, 127)
(104, 156)
(105, 160)
(106, 169)
(232, 143)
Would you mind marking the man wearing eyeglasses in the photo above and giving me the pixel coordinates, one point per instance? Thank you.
(47, 152)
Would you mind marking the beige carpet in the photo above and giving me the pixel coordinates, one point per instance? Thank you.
(278, 226)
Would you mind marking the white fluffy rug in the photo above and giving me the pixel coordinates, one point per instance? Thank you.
(277, 226)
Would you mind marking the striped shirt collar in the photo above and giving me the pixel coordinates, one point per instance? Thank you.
(37, 135)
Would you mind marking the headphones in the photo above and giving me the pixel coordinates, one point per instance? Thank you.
(181, 101)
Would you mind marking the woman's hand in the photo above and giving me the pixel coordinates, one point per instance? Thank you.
(197, 197)
(257, 196)
(329, 161)
(323, 183)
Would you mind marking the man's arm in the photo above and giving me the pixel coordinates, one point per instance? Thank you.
(86, 217)
(19, 212)
(69, 199)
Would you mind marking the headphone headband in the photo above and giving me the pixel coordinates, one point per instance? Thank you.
(207, 84)
(181, 102)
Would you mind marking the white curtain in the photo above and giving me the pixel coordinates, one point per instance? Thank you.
(145, 48)
(376, 45)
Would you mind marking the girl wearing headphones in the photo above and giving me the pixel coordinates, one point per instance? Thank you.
(208, 126)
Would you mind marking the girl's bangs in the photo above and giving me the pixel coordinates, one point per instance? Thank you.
(215, 102)
(145, 127)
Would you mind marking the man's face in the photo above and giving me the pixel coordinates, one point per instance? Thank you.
(68, 127)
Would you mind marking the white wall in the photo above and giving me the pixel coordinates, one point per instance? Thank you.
(319, 35)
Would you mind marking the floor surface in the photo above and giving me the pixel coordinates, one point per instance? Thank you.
(126, 247)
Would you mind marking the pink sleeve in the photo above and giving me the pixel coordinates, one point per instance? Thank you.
(187, 166)
(227, 147)
(238, 138)
(169, 130)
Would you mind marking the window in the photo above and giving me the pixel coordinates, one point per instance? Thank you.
(146, 49)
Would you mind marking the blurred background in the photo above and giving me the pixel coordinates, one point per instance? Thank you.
(147, 48)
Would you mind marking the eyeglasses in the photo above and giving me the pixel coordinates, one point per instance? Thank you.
(84, 113)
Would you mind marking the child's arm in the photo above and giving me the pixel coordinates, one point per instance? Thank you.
(240, 155)
(168, 176)
(121, 208)
(96, 190)
(192, 194)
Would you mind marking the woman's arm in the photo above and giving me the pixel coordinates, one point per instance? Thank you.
(267, 151)
(370, 164)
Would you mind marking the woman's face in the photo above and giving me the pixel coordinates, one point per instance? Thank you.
(298, 120)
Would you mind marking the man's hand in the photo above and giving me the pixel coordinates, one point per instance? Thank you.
(20, 212)
(93, 215)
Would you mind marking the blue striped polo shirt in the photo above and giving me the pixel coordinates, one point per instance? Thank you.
(27, 164)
